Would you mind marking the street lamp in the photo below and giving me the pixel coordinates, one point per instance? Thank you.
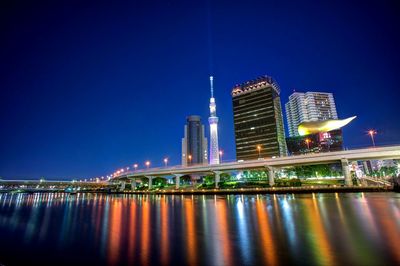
(308, 143)
(371, 133)
(190, 159)
(166, 162)
(135, 166)
(220, 155)
(147, 164)
(259, 151)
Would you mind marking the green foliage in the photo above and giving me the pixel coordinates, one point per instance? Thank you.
(224, 177)
(318, 170)
(322, 182)
(206, 186)
(388, 171)
(159, 182)
(209, 179)
(255, 175)
(185, 179)
(286, 182)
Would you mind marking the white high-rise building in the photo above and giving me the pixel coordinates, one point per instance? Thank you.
(213, 121)
(309, 106)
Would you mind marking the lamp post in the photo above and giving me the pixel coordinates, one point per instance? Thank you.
(166, 162)
(147, 164)
(259, 151)
(308, 144)
(371, 133)
(135, 166)
(190, 159)
(220, 156)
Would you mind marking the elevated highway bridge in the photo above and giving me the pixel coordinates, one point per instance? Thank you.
(49, 185)
(270, 164)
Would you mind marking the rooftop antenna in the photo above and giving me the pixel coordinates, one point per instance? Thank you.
(210, 44)
(212, 86)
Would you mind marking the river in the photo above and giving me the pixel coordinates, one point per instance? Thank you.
(293, 229)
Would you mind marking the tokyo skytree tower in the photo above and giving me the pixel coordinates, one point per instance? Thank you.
(213, 120)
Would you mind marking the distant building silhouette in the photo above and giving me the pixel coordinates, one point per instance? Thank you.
(194, 143)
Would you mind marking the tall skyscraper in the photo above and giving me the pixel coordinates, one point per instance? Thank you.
(194, 143)
(257, 115)
(213, 121)
(309, 106)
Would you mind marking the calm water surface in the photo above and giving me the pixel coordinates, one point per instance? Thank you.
(96, 229)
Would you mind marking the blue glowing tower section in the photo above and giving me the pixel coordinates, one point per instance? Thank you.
(213, 120)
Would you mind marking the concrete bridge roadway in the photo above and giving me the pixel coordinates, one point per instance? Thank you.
(343, 157)
(32, 185)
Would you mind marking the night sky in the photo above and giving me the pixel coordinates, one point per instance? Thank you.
(87, 88)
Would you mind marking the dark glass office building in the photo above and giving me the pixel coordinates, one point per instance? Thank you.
(257, 115)
(194, 143)
(315, 143)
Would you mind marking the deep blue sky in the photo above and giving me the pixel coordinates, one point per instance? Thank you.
(87, 87)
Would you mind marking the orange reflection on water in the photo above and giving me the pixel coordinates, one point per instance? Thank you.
(389, 227)
(222, 227)
(266, 234)
(98, 207)
(115, 232)
(164, 232)
(190, 232)
(145, 228)
(319, 240)
(132, 231)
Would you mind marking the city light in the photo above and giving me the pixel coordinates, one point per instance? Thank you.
(220, 155)
(190, 159)
(166, 162)
(135, 166)
(147, 164)
(308, 143)
(259, 151)
(371, 133)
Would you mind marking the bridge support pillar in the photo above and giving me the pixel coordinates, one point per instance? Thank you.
(133, 184)
(217, 178)
(177, 180)
(150, 181)
(271, 176)
(346, 172)
(122, 187)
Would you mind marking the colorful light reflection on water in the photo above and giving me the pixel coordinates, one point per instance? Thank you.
(309, 229)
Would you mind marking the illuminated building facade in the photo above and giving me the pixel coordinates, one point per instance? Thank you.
(315, 143)
(257, 115)
(194, 143)
(309, 106)
(213, 121)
